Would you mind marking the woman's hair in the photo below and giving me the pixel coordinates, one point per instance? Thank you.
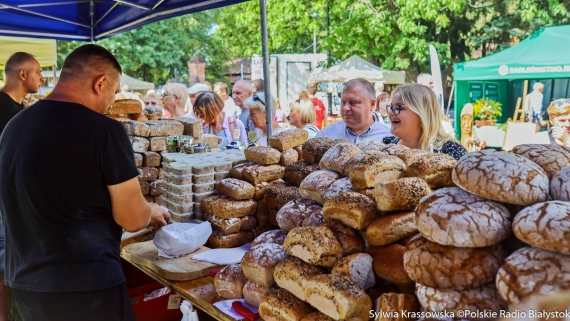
(154, 95)
(303, 95)
(422, 101)
(208, 104)
(252, 103)
(558, 107)
(305, 109)
(180, 91)
(381, 96)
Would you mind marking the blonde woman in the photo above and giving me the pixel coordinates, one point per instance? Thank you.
(559, 115)
(257, 114)
(174, 99)
(303, 116)
(416, 122)
(152, 100)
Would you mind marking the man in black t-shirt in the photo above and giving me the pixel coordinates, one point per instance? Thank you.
(68, 186)
(23, 76)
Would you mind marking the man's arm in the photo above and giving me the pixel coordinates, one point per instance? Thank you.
(131, 211)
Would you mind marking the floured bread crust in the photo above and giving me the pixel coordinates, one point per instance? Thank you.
(474, 300)
(552, 158)
(560, 185)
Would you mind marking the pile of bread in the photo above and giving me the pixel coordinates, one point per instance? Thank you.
(124, 109)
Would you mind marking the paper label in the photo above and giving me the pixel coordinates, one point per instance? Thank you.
(174, 302)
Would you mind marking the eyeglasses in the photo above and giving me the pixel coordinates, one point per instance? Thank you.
(149, 103)
(166, 94)
(559, 103)
(256, 98)
(394, 109)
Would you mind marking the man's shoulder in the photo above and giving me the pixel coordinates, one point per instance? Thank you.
(333, 130)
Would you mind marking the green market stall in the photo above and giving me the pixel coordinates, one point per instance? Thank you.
(542, 55)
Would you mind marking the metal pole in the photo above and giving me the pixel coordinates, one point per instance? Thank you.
(265, 54)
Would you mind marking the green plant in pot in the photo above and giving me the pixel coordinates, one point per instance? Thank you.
(486, 111)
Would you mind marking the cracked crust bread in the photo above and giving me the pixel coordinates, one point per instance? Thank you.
(450, 216)
(337, 156)
(478, 299)
(292, 274)
(545, 225)
(370, 144)
(351, 208)
(560, 185)
(529, 272)
(288, 139)
(280, 305)
(337, 187)
(552, 158)
(293, 214)
(503, 177)
(448, 267)
(314, 186)
(434, 168)
(372, 169)
(259, 261)
(402, 194)
(262, 155)
(232, 225)
(313, 244)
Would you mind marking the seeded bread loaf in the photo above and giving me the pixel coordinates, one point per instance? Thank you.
(402, 194)
(230, 208)
(315, 148)
(434, 168)
(261, 187)
(351, 208)
(358, 267)
(229, 282)
(262, 155)
(259, 174)
(219, 240)
(314, 219)
(314, 244)
(338, 187)
(372, 169)
(337, 156)
(409, 156)
(369, 144)
(259, 262)
(292, 274)
(277, 195)
(236, 189)
(254, 293)
(280, 305)
(288, 139)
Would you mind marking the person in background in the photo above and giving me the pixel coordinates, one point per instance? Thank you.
(208, 107)
(241, 92)
(280, 116)
(257, 86)
(303, 95)
(320, 110)
(534, 102)
(153, 100)
(415, 120)
(23, 76)
(379, 88)
(303, 116)
(358, 102)
(559, 116)
(193, 92)
(208, 85)
(126, 89)
(426, 80)
(174, 100)
(68, 188)
(382, 100)
(230, 108)
(258, 113)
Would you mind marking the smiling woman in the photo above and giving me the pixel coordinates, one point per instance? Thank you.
(416, 121)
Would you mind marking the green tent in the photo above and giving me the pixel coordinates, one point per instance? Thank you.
(543, 55)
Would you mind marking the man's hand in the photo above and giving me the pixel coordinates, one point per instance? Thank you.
(561, 134)
(158, 216)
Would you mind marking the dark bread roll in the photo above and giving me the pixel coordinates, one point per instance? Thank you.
(315, 148)
(296, 172)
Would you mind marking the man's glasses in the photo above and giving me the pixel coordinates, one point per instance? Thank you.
(559, 103)
(151, 103)
(256, 98)
(394, 109)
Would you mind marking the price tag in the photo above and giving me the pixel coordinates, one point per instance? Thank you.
(174, 302)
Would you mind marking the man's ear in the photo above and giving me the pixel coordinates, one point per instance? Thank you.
(22, 74)
(100, 83)
(373, 105)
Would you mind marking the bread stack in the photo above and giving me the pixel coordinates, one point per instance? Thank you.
(127, 109)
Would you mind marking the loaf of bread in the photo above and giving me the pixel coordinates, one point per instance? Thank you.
(140, 144)
(316, 316)
(551, 158)
(165, 127)
(292, 274)
(402, 194)
(516, 179)
(299, 150)
(259, 174)
(434, 168)
(389, 264)
(409, 156)
(560, 185)
(261, 213)
(448, 267)
(314, 186)
(258, 263)
(369, 144)
(545, 225)
(391, 307)
(289, 156)
(296, 172)
(138, 117)
(555, 303)
(262, 155)
(352, 209)
(315, 148)
(314, 219)
(393, 149)
(277, 195)
(391, 228)
(237, 171)
(530, 272)
(451, 216)
(337, 187)
(350, 239)
(337, 156)
(261, 187)
(230, 208)
(293, 214)
(372, 169)
(288, 139)
(236, 189)
(280, 305)
(192, 127)
(254, 293)
(126, 106)
(272, 236)
(313, 244)
(358, 267)
(136, 128)
(208, 201)
(338, 297)
(219, 240)
(470, 301)
(229, 282)
(232, 225)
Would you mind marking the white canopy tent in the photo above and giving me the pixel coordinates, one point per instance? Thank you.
(356, 67)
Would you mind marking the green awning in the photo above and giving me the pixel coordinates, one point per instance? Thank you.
(543, 55)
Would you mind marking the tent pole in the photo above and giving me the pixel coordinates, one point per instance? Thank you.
(266, 81)
(450, 98)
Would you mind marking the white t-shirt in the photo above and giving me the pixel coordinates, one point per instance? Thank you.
(230, 108)
(534, 100)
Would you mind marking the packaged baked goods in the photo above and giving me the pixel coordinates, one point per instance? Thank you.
(203, 178)
(402, 194)
(434, 168)
(229, 282)
(288, 139)
(218, 176)
(352, 209)
(178, 179)
(293, 213)
(181, 217)
(358, 267)
(337, 156)
(178, 168)
(199, 197)
(203, 188)
(202, 168)
(516, 179)
(259, 262)
(313, 244)
(292, 274)
(262, 155)
(279, 305)
(236, 189)
(223, 167)
(391, 228)
(314, 186)
(179, 207)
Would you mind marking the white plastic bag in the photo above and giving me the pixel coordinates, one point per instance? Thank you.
(178, 239)
(188, 311)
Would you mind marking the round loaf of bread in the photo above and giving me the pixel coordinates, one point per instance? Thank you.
(337, 156)
(258, 263)
(502, 176)
(402, 194)
(273, 236)
(314, 186)
(434, 168)
(315, 148)
(447, 267)
(294, 213)
(450, 216)
(369, 144)
(552, 158)
(353, 161)
(338, 187)
(560, 185)
(531, 271)
(254, 293)
(394, 149)
(545, 225)
(473, 300)
(229, 282)
(314, 219)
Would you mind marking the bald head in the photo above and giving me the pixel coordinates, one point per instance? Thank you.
(18, 61)
(23, 76)
(240, 92)
(90, 61)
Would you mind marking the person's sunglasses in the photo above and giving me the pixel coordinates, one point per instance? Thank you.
(559, 103)
(256, 98)
(394, 109)
(149, 103)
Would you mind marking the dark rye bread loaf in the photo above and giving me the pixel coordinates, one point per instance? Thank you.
(296, 172)
(277, 195)
(315, 148)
